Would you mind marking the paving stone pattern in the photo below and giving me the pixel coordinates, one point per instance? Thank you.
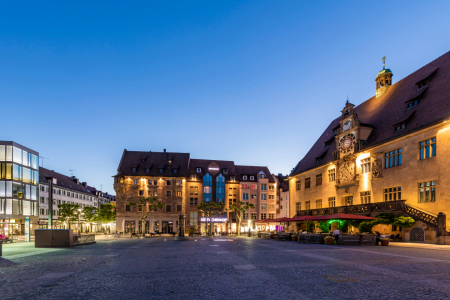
(240, 268)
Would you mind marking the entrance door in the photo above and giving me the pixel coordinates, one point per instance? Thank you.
(167, 227)
(129, 227)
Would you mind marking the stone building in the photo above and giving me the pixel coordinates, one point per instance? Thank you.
(388, 154)
(282, 196)
(182, 183)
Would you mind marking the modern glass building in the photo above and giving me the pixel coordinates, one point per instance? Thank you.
(19, 187)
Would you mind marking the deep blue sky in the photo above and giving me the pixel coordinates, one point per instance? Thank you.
(251, 81)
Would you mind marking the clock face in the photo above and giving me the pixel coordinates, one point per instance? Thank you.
(346, 142)
(347, 125)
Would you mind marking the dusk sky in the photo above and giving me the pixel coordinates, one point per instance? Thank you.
(255, 82)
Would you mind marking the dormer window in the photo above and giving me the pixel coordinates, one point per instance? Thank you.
(413, 103)
(261, 174)
(194, 177)
(423, 83)
(175, 171)
(161, 171)
(252, 177)
(134, 170)
(400, 127)
(347, 112)
(244, 177)
(318, 160)
(225, 171)
(147, 170)
(199, 170)
(232, 177)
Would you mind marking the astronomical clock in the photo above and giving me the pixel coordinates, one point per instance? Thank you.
(347, 143)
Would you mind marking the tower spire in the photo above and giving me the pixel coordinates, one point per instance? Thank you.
(384, 62)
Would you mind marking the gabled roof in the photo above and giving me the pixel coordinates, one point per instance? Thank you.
(154, 161)
(389, 109)
(63, 181)
(203, 164)
(253, 171)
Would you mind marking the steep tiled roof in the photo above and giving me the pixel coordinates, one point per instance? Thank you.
(204, 164)
(153, 161)
(64, 181)
(284, 185)
(252, 171)
(390, 109)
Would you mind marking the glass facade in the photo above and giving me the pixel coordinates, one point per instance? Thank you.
(19, 180)
(207, 188)
(220, 188)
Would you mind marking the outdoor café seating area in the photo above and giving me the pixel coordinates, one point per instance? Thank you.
(335, 237)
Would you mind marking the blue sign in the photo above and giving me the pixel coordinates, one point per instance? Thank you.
(27, 229)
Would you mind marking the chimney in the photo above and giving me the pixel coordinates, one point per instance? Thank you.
(164, 152)
(84, 184)
(76, 180)
(279, 174)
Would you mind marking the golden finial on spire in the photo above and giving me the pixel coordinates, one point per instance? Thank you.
(384, 62)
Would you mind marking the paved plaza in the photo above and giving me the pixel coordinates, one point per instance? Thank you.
(222, 268)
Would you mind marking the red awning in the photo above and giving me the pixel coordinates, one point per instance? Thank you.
(340, 216)
(281, 220)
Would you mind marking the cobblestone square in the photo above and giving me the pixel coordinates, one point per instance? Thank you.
(236, 268)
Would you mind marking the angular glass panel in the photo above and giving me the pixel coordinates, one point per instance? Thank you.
(16, 172)
(8, 188)
(2, 153)
(2, 189)
(26, 208)
(433, 150)
(34, 193)
(8, 207)
(25, 158)
(400, 159)
(26, 175)
(433, 183)
(17, 155)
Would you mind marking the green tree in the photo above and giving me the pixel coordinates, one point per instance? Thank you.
(151, 203)
(90, 214)
(402, 221)
(208, 209)
(68, 212)
(107, 214)
(239, 209)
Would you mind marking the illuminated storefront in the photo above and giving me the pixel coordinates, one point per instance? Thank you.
(19, 192)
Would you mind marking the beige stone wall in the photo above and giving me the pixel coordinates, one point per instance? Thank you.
(408, 175)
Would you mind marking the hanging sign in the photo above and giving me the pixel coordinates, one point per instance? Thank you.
(27, 229)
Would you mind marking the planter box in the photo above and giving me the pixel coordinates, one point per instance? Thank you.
(384, 242)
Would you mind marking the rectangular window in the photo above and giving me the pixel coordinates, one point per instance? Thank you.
(169, 182)
(263, 216)
(332, 202)
(393, 193)
(428, 148)
(245, 186)
(169, 193)
(253, 196)
(207, 189)
(127, 208)
(365, 165)
(179, 182)
(298, 206)
(263, 206)
(168, 208)
(298, 185)
(192, 190)
(307, 205)
(307, 182)
(252, 177)
(136, 181)
(253, 216)
(365, 197)
(141, 193)
(393, 158)
(230, 192)
(155, 182)
(253, 186)
(179, 193)
(427, 191)
(332, 175)
(178, 207)
(244, 177)
(272, 216)
(319, 203)
(318, 179)
(271, 197)
(271, 187)
(348, 200)
(234, 192)
(263, 187)
(140, 207)
(245, 196)
(263, 196)
(271, 206)
(150, 193)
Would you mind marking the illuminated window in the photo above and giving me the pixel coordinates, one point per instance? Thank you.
(271, 187)
(427, 191)
(307, 205)
(365, 165)
(271, 206)
(393, 193)
(428, 148)
(393, 158)
(365, 197)
(271, 197)
(179, 194)
(253, 196)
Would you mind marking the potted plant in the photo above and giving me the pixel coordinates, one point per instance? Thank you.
(329, 240)
(294, 237)
(191, 231)
(384, 241)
